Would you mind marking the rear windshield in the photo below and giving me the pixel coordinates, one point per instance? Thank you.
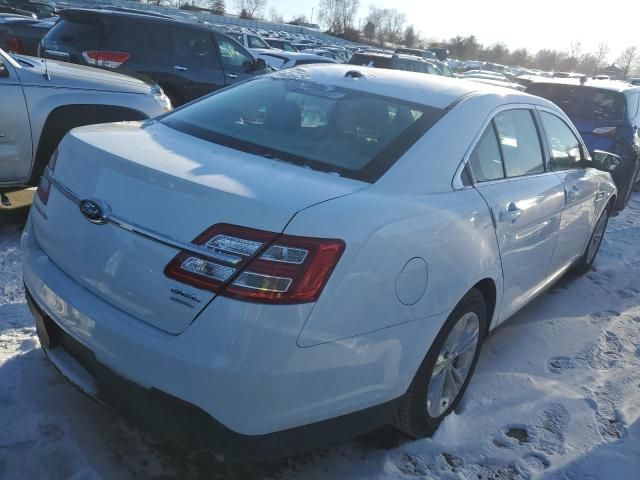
(342, 131)
(586, 103)
(370, 61)
(87, 31)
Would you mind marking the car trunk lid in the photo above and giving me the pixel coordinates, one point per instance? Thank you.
(171, 187)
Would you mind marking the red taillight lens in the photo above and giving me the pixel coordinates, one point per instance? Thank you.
(105, 59)
(257, 265)
(608, 132)
(44, 187)
(14, 44)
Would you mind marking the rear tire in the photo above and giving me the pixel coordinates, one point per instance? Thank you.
(586, 262)
(422, 409)
(624, 198)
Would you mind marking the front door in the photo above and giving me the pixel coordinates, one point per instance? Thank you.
(566, 158)
(526, 203)
(15, 130)
(238, 63)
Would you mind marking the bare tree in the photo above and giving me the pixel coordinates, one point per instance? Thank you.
(275, 15)
(250, 8)
(628, 60)
(369, 30)
(410, 37)
(338, 15)
(601, 55)
(393, 24)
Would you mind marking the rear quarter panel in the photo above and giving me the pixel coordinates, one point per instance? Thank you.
(452, 232)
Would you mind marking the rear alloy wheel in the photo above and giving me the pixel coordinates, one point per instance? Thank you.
(446, 371)
(585, 263)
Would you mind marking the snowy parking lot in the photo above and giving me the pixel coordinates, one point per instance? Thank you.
(556, 395)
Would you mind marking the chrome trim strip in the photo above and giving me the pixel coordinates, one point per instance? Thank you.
(144, 232)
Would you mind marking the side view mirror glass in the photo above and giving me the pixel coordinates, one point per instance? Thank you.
(609, 162)
(260, 64)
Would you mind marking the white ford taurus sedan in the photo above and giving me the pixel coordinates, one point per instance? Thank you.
(307, 255)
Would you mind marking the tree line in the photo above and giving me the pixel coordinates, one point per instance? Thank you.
(388, 27)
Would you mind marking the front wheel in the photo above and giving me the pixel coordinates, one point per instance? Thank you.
(445, 372)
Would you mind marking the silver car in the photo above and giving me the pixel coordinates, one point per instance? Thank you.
(41, 101)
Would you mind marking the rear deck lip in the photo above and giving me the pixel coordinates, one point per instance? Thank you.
(139, 230)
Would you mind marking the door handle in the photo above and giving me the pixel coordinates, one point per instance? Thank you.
(180, 68)
(232, 75)
(511, 213)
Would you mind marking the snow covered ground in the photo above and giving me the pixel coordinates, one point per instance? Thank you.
(556, 395)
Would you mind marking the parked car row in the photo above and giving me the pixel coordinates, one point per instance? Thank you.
(306, 256)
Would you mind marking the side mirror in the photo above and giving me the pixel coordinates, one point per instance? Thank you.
(260, 64)
(609, 162)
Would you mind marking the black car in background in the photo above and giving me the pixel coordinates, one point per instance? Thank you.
(607, 115)
(187, 60)
(23, 34)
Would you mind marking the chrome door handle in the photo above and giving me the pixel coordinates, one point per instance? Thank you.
(180, 68)
(232, 75)
(511, 213)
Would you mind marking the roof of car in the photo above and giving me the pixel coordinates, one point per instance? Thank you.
(151, 16)
(613, 85)
(286, 55)
(434, 90)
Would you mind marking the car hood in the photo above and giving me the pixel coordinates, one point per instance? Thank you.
(70, 75)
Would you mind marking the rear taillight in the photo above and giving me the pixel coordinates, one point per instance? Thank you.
(257, 265)
(14, 44)
(105, 59)
(608, 132)
(44, 187)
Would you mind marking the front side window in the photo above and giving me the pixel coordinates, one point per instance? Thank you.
(351, 133)
(256, 42)
(485, 160)
(519, 143)
(232, 54)
(565, 153)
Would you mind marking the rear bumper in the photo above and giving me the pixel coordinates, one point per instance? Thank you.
(238, 365)
(183, 423)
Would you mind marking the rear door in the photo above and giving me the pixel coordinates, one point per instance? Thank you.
(525, 200)
(194, 58)
(15, 129)
(567, 159)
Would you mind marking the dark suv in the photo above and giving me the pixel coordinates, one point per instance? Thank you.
(607, 115)
(187, 60)
(394, 62)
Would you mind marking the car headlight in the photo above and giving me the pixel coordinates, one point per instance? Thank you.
(161, 98)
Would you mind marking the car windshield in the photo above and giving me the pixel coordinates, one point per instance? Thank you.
(351, 133)
(583, 102)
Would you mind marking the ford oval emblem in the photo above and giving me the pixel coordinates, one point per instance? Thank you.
(92, 211)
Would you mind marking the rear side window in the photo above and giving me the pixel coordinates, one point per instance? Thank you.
(194, 45)
(634, 113)
(519, 143)
(564, 147)
(485, 160)
(351, 133)
(583, 102)
(143, 38)
(89, 31)
(255, 42)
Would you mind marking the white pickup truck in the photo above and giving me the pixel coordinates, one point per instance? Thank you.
(41, 101)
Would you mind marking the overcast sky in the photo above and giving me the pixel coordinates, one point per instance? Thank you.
(533, 24)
